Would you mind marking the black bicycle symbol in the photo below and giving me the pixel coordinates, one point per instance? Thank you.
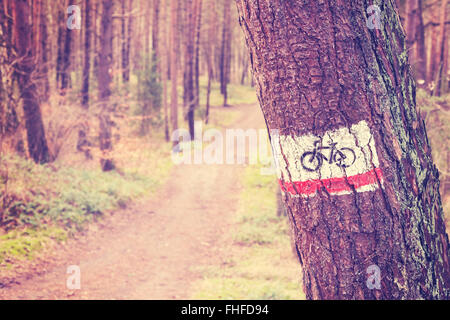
(313, 160)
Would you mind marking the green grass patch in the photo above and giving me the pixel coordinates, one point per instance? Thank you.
(261, 264)
(23, 244)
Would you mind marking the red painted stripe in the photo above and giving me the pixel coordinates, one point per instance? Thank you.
(333, 185)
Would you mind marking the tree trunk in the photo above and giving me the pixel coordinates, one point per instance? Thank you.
(83, 142)
(442, 42)
(155, 34)
(60, 44)
(65, 73)
(353, 157)
(125, 61)
(164, 71)
(104, 82)
(96, 35)
(87, 55)
(445, 72)
(147, 37)
(37, 143)
(209, 48)
(43, 52)
(197, 53)
(225, 51)
(432, 66)
(190, 40)
(410, 28)
(129, 36)
(421, 52)
(174, 66)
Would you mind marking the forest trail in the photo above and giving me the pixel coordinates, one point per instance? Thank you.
(154, 248)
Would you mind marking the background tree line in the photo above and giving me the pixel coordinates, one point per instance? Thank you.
(141, 50)
(426, 25)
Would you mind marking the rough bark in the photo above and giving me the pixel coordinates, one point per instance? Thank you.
(37, 143)
(318, 68)
(104, 81)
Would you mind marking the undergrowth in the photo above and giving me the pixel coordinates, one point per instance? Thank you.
(41, 201)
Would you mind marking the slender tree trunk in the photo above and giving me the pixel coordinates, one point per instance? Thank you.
(125, 61)
(37, 143)
(65, 73)
(208, 95)
(95, 35)
(245, 63)
(129, 35)
(87, 55)
(60, 44)
(147, 36)
(432, 66)
(190, 40)
(445, 71)
(354, 162)
(83, 142)
(225, 56)
(43, 52)
(164, 70)
(421, 52)
(174, 66)
(104, 81)
(209, 53)
(155, 34)
(197, 54)
(410, 27)
(442, 42)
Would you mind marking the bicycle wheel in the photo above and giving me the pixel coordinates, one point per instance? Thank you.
(311, 161)
(345, 157)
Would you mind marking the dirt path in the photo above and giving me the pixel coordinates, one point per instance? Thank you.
(153, 249)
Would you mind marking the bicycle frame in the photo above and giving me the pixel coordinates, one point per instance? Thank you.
(331, 147)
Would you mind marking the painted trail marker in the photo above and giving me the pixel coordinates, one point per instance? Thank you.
(340, 161)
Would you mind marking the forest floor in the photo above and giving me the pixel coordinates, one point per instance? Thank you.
(155, 248)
